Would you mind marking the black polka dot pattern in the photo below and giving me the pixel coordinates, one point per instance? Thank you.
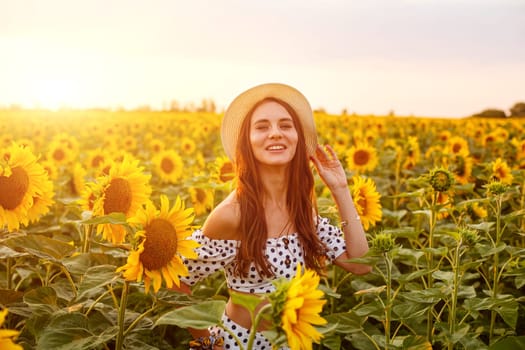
(243, 334)
(283, 253)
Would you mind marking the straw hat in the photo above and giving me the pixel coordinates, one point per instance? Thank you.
(242, 104)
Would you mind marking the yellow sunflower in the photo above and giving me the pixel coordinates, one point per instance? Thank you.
(476, 132)
(77, 181)
(435, 154)
(362, 157)
(187, 146)
(51, 169)
(501, 134)
(41, 202)
(444, 135)
(63, 149)
(156, 145)
(22, 179)
(224, 169)
(124, 190)
(297, 305)
(168, 165)
(8, 336)
(366, 200)
(202, 199)
(462, 168)
(88, 196)
(501, 171)
(412, 152)
(162, 241)
(95, 160)
(475, 210)
(489, 139)
(129, 143)
(444, 200)
(479, 211)
(457, 145)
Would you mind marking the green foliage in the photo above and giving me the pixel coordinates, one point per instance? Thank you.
(443, 276)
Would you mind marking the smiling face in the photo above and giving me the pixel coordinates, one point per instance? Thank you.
(273, 136)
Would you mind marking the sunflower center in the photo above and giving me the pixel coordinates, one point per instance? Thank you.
(362, 204)
(361, 157)
(13, 188)
(167, 165)
(96, 161)
(160, 245)
(118, 197)
(501, 173)
(200, 195)
(456, 148)
(59, 154)
(226, 172)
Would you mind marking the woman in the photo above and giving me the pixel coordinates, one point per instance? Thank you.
(269, 224)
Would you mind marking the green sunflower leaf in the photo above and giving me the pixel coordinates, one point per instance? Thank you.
(199, 316)
(113, 218)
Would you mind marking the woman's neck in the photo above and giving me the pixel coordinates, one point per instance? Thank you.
(275, 185)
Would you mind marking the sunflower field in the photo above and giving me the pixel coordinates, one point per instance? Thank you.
(97, 207)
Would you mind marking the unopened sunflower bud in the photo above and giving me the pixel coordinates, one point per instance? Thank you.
(441, 179)
(383, 242)
(469, 237)
(497, 188)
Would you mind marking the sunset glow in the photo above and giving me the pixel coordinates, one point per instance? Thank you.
(372, 58)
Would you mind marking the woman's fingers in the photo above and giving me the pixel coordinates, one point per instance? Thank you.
(326, 153)
(332, 151)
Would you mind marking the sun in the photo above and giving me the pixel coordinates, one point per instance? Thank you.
(56, 93)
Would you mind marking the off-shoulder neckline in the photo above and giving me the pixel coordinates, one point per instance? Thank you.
(293, 234)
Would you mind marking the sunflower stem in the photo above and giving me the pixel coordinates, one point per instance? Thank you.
(430, 261)
(9, 273)
(522, 206)
(70, 279)
(456, 266)
(87, 237)
(388, 306)
(96, 301)
(233, 334)
(372, 340)
(113, 296)
(255, 324)
(121, 315)
(495, 278)
(138, 319)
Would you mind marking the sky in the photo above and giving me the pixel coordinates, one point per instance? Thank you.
(433, 58)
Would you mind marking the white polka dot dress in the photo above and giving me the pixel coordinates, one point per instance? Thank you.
(283, 253)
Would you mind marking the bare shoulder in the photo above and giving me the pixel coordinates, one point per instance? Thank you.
(223, 222)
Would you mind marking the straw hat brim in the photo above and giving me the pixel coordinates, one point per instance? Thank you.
(242, 104)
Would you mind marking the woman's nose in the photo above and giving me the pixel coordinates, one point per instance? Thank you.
(275, 135)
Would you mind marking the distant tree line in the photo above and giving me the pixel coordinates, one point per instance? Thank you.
(206, 105)
(516, 111)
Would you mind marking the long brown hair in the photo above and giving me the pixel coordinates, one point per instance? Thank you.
(299, 200)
